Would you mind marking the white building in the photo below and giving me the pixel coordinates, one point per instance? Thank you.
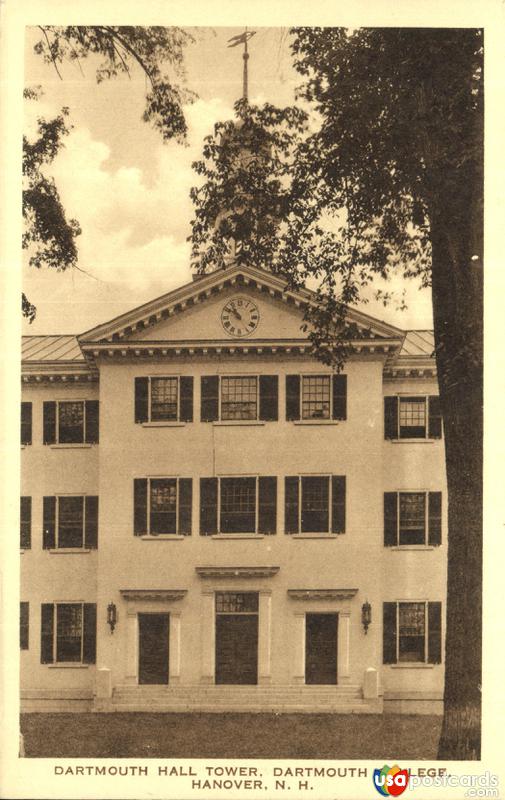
(211, 519)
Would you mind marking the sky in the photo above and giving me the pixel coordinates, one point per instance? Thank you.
(130, 191)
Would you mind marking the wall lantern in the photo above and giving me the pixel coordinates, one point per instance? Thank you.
(366, 615)
(111, 616)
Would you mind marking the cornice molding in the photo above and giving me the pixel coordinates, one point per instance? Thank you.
(53, 372)
(236, 572)
(322, 594)
(153, 594)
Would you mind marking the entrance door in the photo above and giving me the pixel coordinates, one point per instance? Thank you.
(153, 648)
(236, 638)
(321, 648)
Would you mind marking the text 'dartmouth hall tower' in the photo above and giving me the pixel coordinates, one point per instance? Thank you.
(213, 520)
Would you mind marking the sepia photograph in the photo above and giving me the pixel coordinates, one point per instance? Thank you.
(251, 470)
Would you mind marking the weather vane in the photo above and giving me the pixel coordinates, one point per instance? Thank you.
(243, 38)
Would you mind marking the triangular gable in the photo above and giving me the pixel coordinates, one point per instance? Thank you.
(132, 325)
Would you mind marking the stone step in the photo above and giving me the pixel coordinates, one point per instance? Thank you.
(358, 707)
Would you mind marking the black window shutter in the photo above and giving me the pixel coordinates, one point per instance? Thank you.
(49, 523)
(91, 525)
(269, 398)
(340, 397)
(292, 397)
(89, 633)
(26, 423)
(390, 519)
(391, 418)
(49, 427)
(435, 633)
(338, 504)
(434, 417)
(26, 523)
(140, 506)
(46, 633)
(209, 406)
(141, 399)
(24, 625)
(291, 504)
(92, 421)
(435, 518)
(267, 512)
(186, 398)
(185, 505)
(389, 633)
(208, 506)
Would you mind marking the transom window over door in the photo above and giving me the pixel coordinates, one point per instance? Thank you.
(239, 397)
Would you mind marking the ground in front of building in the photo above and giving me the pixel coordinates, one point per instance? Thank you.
(318, 736)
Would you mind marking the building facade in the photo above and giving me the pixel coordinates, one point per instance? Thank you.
(211, 519)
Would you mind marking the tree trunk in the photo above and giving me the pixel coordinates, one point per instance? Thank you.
(457, 304)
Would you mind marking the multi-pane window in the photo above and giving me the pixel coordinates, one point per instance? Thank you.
(412, 518)
(164, 398)
(236, 602)
(412, 632)
(70, 522)
(71, 422)
(315, 504)
(162, 506)
(68, 633)
(238, 505)
(24, 625)
(26, 523)
(414, 417)
(239, 397)
(316, 397)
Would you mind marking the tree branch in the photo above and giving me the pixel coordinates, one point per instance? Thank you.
(50, 52)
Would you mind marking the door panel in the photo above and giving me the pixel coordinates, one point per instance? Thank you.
(153, 648)
(321, 648)
(237, 648)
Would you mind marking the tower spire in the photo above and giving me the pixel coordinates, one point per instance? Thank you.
(243, 38)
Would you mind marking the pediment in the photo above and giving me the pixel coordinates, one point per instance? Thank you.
(193, 313)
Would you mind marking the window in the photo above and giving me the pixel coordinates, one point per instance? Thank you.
(70, 522)
(24, 625)
(239, 398)
(164, 398)
(412, 632)
(26, 423)
(26, 523)
(412, 518)
(162, 506)
(238, 505)
(315, 504)
(71, 422)
(416, 417)
(316, 397)
(68, 633)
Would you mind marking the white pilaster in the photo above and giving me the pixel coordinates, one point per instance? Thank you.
(299, 649)
(264, 637)
(208, 638)
(344, 619)
(175, 648)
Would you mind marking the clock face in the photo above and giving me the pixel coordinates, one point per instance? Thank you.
(240, 316)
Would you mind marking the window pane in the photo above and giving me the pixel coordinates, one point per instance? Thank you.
(411, 632)
(71, 422)
(68, 632)
(163, 505)
(412, 518)
(235, 602)
(412, 417)
(163, 398)
(239, 398)
(70, 521)
(238, 505)
(316, 397)
(315, 505)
